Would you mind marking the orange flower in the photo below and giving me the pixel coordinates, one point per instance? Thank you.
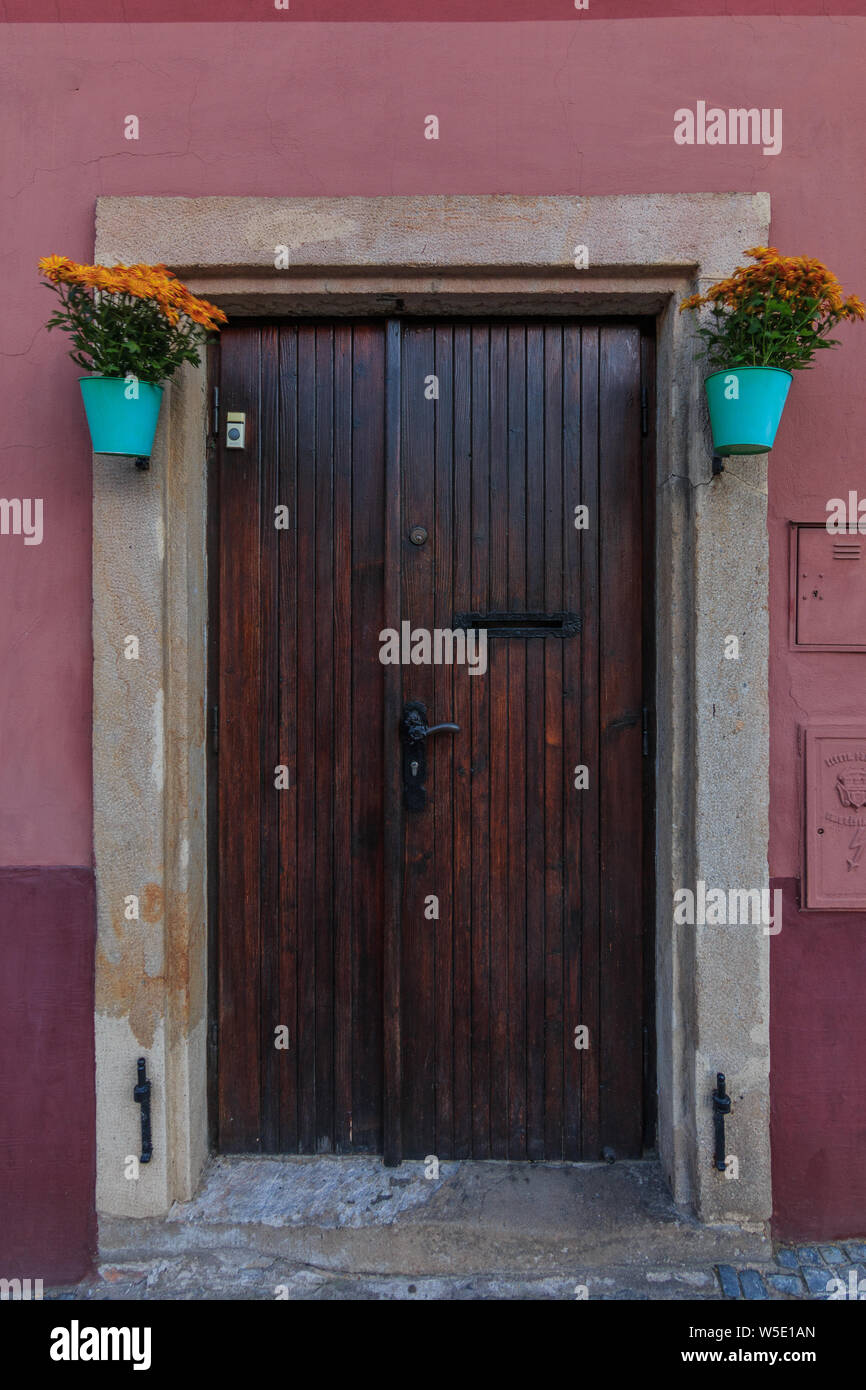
(89, 276)
(147, 282)
(56, 268)
(786, 277)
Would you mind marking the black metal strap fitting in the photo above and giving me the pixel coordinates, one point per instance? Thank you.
(141, 1095)
(721, 1108)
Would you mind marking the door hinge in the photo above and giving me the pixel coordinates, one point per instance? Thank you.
(644, 411)
(215, 728)
(645, 730)
(216, 411)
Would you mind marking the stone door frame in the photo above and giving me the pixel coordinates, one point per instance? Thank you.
(449, 255)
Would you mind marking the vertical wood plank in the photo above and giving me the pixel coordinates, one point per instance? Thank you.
(555, 780)
(441, 750)
(287, 661)
(271, 752)
(346, 661)
(534, 725)
(374, 742)
(393, 813)
(479, 771)
(648, 461)
(580, 740)
(514, 717)
(418, 593)
(308, 751)
(467, 1032)
(324, 725)
(498, 746)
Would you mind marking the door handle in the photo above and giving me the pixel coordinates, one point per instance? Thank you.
(414, 723)
(415, 731)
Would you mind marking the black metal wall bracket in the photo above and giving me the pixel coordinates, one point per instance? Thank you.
(721, 1108)
(718, 465)
(141, 1095)
(142, 462)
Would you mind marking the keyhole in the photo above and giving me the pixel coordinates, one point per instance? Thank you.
(413, 768)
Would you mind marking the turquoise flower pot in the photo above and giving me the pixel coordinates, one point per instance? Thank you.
(746, 407)
(119, 425)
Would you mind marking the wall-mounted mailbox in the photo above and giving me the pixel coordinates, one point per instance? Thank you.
(836, 817)
(828, 589)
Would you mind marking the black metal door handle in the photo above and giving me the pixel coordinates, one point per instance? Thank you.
(415, 731)
(414, 723)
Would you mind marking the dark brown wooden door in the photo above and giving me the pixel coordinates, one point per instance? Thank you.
(415, 981)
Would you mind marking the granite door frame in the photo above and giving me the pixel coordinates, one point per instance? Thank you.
(454, 256)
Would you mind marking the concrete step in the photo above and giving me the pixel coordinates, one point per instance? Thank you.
(353, 1216)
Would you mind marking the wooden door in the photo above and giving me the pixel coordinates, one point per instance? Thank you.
(468, 979)
(300, 867)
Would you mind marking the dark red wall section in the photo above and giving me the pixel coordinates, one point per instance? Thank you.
(47, 1100)
(818, 1072)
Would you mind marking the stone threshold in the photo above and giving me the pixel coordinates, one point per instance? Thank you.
(353, 1216)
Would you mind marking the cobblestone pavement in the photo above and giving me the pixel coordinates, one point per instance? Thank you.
(802, 1271)
(797, 1273)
